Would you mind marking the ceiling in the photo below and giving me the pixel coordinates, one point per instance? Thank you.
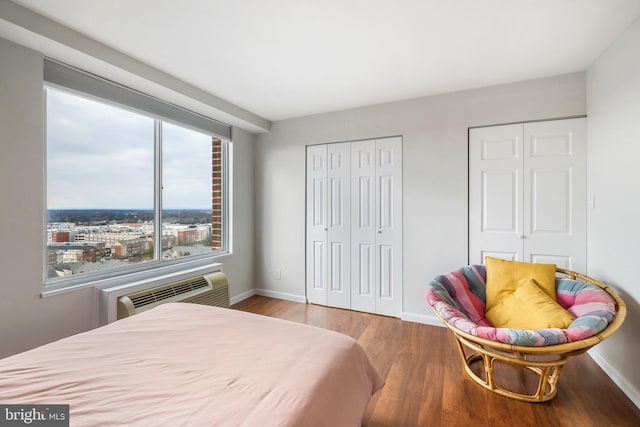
(280, 59)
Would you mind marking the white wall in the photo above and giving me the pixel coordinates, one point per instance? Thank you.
(613, 134)
(434, 131)
(239, 265)
(26, 319)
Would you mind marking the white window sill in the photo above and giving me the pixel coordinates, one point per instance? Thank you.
(134, 280)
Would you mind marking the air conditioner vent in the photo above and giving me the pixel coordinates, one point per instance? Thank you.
(211, 289)
(141, 300)
(165, 292)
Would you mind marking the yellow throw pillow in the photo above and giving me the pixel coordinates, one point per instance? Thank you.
(529, 308)
(504, 277)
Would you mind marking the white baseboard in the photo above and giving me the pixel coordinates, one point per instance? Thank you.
(243, 296)
(632, 392)
(426, 319)
(281, 295)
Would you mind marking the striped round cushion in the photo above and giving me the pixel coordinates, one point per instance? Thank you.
(459, 297)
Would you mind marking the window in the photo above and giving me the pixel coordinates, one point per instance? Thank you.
(128, 189)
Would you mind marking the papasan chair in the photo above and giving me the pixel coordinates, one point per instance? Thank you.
(458, 299)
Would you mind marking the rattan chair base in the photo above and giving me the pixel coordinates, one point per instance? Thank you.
(483, 358)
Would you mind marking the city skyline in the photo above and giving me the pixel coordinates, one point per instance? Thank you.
(187, 216)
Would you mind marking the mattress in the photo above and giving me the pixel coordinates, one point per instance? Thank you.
(192, 365)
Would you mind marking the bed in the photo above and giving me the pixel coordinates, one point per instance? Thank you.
(192, 365)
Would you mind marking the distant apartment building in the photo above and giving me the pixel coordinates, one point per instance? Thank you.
(59, 236)
(110, 238)
(188, 235)
(127, 248)
(59, 232)
(168, 241)
(69, 252)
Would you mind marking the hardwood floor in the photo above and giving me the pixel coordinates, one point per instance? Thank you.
(426, 384)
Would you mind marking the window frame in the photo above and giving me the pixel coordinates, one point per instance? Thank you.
(79, 83)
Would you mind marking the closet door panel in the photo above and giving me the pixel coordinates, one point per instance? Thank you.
(317, 225)
(495, 193)
(363, 231)
(339, 230)
(555, 188)
(388, 173)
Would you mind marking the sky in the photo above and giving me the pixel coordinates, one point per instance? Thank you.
(101, 157)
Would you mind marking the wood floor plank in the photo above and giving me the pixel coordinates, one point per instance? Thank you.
(426, 384)
(431, 397)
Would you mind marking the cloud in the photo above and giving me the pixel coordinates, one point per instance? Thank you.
(186, 168)
(100, 156)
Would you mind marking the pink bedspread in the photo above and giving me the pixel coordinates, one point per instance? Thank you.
(192, 365)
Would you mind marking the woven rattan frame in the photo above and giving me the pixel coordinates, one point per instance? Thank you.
(545, 362)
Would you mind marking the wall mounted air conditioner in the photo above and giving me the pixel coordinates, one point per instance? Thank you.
(211, 289)
(196, 284)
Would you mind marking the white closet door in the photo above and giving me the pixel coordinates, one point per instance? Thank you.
(527, 193)
(495, 193)
(317, 224)
(555, 187)
(363, 226)
(354, 225)
(388, 218)
(339, 225)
